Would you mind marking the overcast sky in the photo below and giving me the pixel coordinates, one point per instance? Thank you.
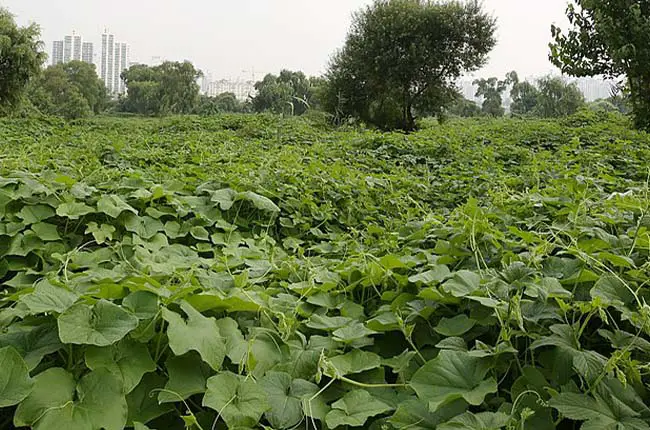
(230, 38)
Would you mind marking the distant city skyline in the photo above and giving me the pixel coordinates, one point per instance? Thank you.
(71, 48)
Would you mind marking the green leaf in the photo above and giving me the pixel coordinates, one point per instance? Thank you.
(414, 414)
(103, 324)
(35, 214)
(463, 283)
(187, 376)
(356, 361)
(612, 291)
(128, 360)
(113, 205)
(15, 383)
(481, 421)
(285, 397)
(142, 304)
(225, 198)
(353, 332)
(33, 340)
(46, 232)
(143, 400)
(239, 400)
(455, 326)
(73, 210)
(200, 233)
(145, 227)
(453, 375)
(198, 334)
(49, 298)
(98, 404)
(434, 276)
(354, 409)
(101, 233)
(597, 413)
(260, 202)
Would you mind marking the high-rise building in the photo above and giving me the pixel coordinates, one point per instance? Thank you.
(76, 48)
(114, 60)
(72, 48)
(57, 52)
(87, 53)
(67, 49)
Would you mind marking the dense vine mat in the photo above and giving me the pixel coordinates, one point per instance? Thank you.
(251, 272)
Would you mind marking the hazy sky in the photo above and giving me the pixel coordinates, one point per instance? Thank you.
(231, 37)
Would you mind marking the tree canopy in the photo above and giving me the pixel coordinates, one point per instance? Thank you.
(21, 58)
(71, 90)
(403, 57)
(169, 88)
(612, 39)
(288, 92)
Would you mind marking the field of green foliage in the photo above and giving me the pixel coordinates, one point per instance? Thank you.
(249, 272)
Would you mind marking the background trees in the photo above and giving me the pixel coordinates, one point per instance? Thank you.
(170, 88)
(71, 90)
(609, 38)
(289, 92)
(20, 58)
(491, 90)
(402, 57)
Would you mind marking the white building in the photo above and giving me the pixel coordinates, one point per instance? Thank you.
(72, 48)
(242, 89)
(114, 60)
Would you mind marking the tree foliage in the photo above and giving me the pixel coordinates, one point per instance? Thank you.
(608, 38)
(71, 90)
(491, 90)
(523, 94)
(222, 103)
(403, 57)
(289, 92)
(169, 88)
(21, 58)
(464, 108)
(558, 98)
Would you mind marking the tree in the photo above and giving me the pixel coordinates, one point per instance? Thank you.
(71, 90)
(524, 96)
(170, 88)
(464, 108)
(222, 103)
(289, 92)
(20, 58)
(403, 57)
(558, 98)
(612, 39)
(491, 90)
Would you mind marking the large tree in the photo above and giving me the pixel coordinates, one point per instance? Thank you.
(523, 94)
(403, 57)
(290, 91)
(558, 98)
(170, 88)
(71, 90)
(21, 58)
(612, 39)
(491, 90)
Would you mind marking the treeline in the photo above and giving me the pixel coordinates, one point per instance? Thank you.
(400, 62)
(547, 97)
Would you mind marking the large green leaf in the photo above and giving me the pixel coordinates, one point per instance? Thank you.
(143, 400)
(128, 360)
(463, 283)
(453, 375)
(198, 334)
(239, 400)
(597, 413)
(33, 214)
(480, 421)
(286, 398)
(99, 402)
(46, 232)
(354, 409)
(32, 339)
(15, 383)
(456, 326)
(49, 298)
(414, 414)
(355, 361)
(113, 205)
(612, 291)
(188, 375)
(73, 210)
(103, 324)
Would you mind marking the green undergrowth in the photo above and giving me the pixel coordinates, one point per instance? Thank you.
(253, 272)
